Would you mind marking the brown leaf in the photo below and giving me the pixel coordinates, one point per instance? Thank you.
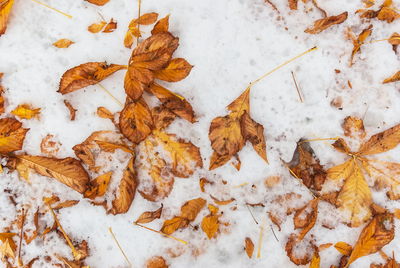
(204, 181)
(128, 39)
(293, 4)
(68, 171)
(344, 248)
(98, 2)
(341, 145)
(145, 19)
(217, 160)
(110, 27)
(357, 43)
(353, 127)
(149, 216)
(98, 186)
(161, 26)
(162, 117)
(135, 121)
(305, 219)
(156, 262)
(210, 225)
(381, 142)
(96, 27)
(66, 204)
(105, 113)
(378, 233)
(72, 110)
(85, 75)
(48, 146)
(5, 9)
(126, 190)
(25, 111)
(393, 78)
(254, 132)
(12, 135)
(323, 24)
(305, 166)
(1, 96)
(174, 102)
(388, 14)
(249, 247)
(176, 70)
(63, 43)
(111, 147)
(226, 136)
(83, 152)
(292, 246)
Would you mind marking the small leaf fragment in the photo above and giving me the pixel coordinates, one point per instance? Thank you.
(323, 24)
(63, 43)
(249, 247)
(149, 216)
(25, 111)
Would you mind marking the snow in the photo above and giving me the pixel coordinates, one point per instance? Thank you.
(230, 43)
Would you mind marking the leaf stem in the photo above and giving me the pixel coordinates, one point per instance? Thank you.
(320, 139)
(161, 233)
(297, 87)
(386, 39)
(139, 6)
(260, 238)
(52, 8)
(119, 246)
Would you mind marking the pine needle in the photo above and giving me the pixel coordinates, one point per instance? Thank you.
(111, 95)
(52, 8)
(251, 213)
(119, 246)
(297, 88)
(161, 233)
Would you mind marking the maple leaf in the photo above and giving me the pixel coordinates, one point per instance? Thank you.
(359, 41)
(98, 186)
(161, 26)
(323, 24)
(63, 43)
(249, 247)
(5, 9)
(85, 75)
(156, 262)
(305, 166)
(98, 2)
(228, 134)
(126, 190)
(188, 214)
(394, 78)
(68, 171)
(12, 135)
(149, 216)
(26, 112)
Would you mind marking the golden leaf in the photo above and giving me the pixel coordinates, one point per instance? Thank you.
(104, 113)
(357, 43)
(305, 219)
(174, 102)
(378, 233)
(315, 261)
(254, 132)
(68, 171)
(96, 27)
(5, 9)
(249, 247)
(241, 104)
(344, 248)
(98, 186)
(226, 136)
(149, 216)
(342, 171)
(26, 112)
(210, 225)
(323, 24)
(63, 43)
(393, 78)
(128, 39)
(171, 225)
(381, 142)
(12, 135)
(341, 145)
(135, 121)
(156, 262)
(111, 147)
(126, 190)
(184, 155)
(110, 27)
(71, 109)
(145, 19)
(353, 127)
(388, 14)
(161, 26)
(85, 75)
(217, 160)
(7, 249)
(83, 152)
(66, 204)
(176, 70)
(162, 117)
(98, 2)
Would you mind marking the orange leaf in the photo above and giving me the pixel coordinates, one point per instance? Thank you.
(344, 248)
(145, 19)
(5, 9)
(156, 262)
(249, 247)
(110, 27)
(98, 186)
(254, 132)
(176, 70)
(72, 110)
(26, 112)
(12, 135)
(161, 26)
(323, 24)
(98, 2)
(210, 225)
(381, 142)
(393, 78)
(96, 27)
(149, 216)
(63, 43)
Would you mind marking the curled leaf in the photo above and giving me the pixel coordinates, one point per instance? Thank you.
(149, 216)
(323, 24)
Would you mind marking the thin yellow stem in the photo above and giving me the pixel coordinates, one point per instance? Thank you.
(240, 185)
(281, 65)
(111, 95)
(52, 8)
(161, 233)
(138, 26)
(260, 238)
(320, 139)
(119, 246)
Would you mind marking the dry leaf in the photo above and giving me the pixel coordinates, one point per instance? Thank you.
(203, 182)
(249, 247)
(98, 186)
(162, 117)
(25, 111)
(110, 27)
(145, 19)
(388, 14)
(135, 121)
(189, 212)
(378, 233)
(1, 96)
(393, 78)
(85, 75)
(315, 261)
(305, 219)
(176, 70)
(63, 43)
(8, 248)
(71, 109)
(307, 251)
(67, 170)
(381, 142)
(210, 225)
(174, 102)
(126, 190)
(149, 216)
(98, 2)
(12, 135)
(156, 262)
(254, 132)
(222, 202)
(357, 43)
(353, 127)
(161, 26)
(323, 24)
(66, 204)
(305, 166)
(344, 248)
(111, 147)
(48, 146)
(105, 113)
(83, 152)
(394, 40)
(96, 27)
(293, 4)
(5, 9)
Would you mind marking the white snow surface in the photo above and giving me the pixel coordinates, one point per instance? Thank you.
(230, 43)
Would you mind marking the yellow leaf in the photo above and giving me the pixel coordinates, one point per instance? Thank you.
(12, 135)
(176, 70)
(344, 248)
(357, 43)
(388, 14)
(149, 216)
(315, 261)
(323, 24)
(26, 112)
(161, 26)
(128, 39)
(393, 78)
(249, 247)
(241, 104)
(5, 9)
(63, 43)
(342, 171)
(210, 225)
(7, 250)
(111, 147)
(381, 142)
(98, 186)
(68, 171)
(96, 27)
(226, 136)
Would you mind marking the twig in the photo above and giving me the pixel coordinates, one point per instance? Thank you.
(161, 233)
(273, 232)
(119, 246)
(297, 87)
(111, 95)
(251, 213)
(52, 8)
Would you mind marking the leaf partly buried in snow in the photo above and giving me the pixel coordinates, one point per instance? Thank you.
(210, 225)
(344, 248)
(85, 75)
(306, 217)
(381, 142)
(68, 171)
(63, 43)
(98, 186)
(393, 78)
(5, 9)
(359, 41)
(12, 135)
(149, 216)
(126, 190)
(26, 112)
(111, 146)
(156, 262)
(353, 127)
(176, 70)
(323, 24)
(254, 132)
(135, 121)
